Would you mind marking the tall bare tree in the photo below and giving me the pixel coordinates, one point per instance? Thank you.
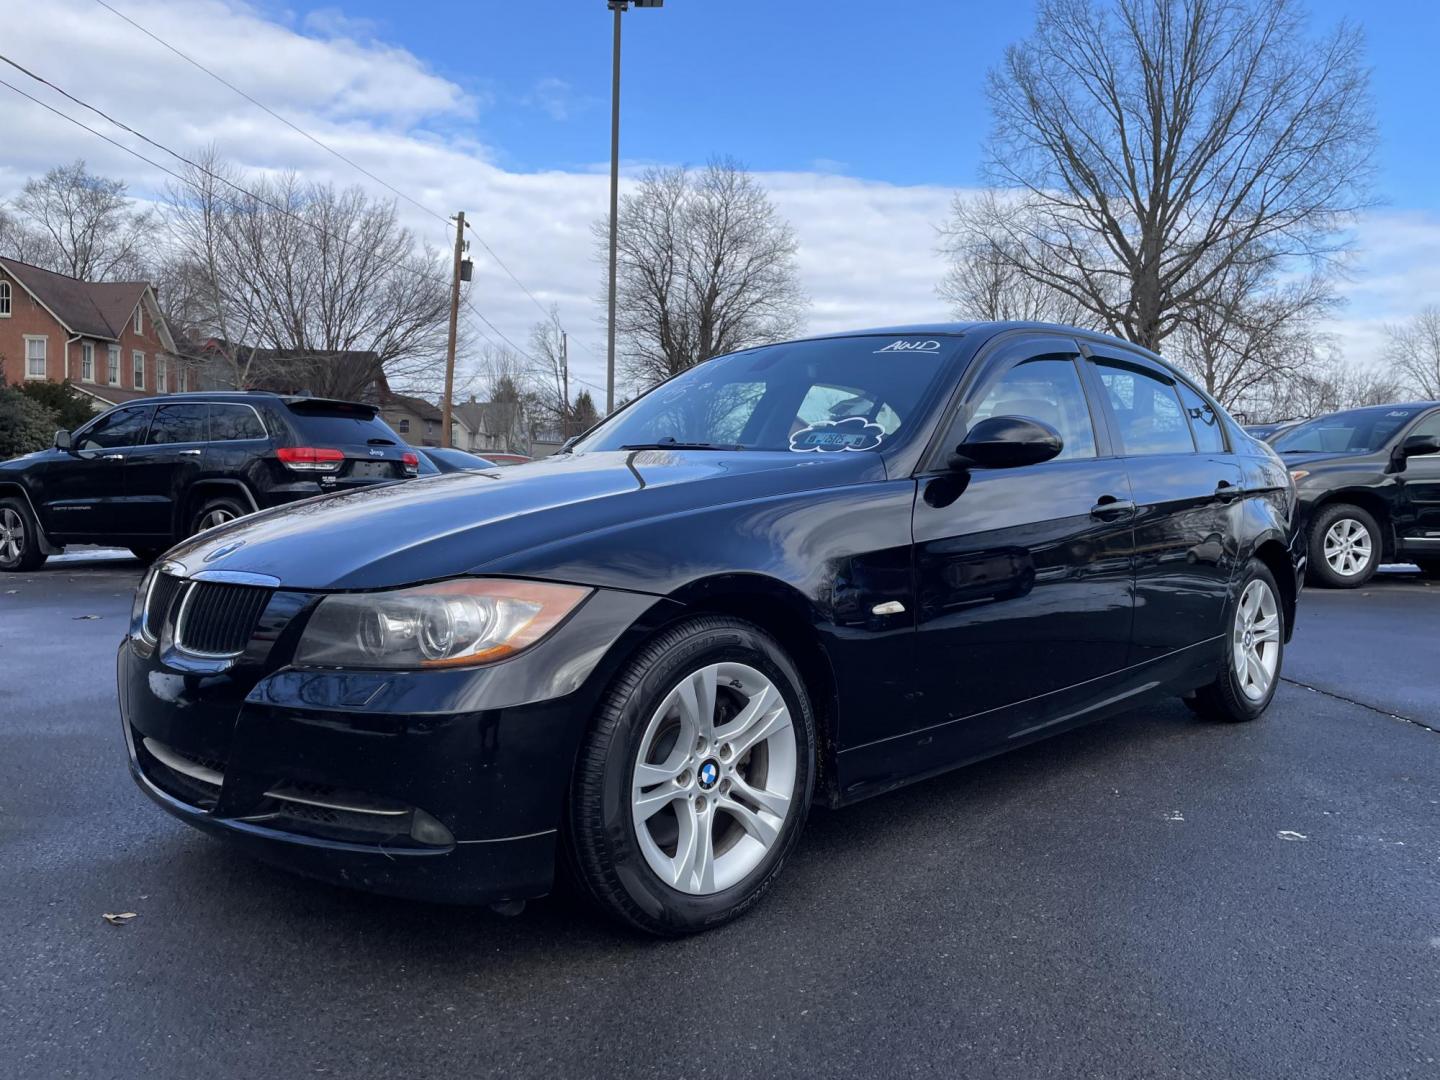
(553, 407)
(1414, 353)
(328, 278)
(77, 223)
(706, 266)
(1150, 146)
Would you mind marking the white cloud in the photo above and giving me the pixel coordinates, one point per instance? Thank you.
(867, 248)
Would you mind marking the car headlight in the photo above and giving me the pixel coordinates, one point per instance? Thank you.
(448, 624)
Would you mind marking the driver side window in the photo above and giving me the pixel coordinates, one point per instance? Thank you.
(1046, 388)
(123, 427)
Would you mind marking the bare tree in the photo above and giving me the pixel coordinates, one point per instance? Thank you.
(1414, 353)
(548, 377)
(1327, 384)
(83, 225)
(327, 279)
(706, 266)
(508, 383)
(1151, 145)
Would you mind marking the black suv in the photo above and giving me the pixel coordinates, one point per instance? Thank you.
(155, 470)
(1369, 486)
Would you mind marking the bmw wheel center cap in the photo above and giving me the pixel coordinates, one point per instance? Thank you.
(708, 776)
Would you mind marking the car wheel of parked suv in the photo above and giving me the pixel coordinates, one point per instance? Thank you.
(216, 511)
(1344, 546)
(19, 537)
(1254, 653)
(695, 779)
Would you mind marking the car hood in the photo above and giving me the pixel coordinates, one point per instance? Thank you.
(440, 526)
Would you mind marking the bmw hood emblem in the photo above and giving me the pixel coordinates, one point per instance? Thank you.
(223, 550)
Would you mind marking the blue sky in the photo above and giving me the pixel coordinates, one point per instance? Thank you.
(887, 91)
(862, 119)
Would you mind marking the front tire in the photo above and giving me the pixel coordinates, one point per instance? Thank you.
(1345, 546)
(1254, 653)
(19, 538)
(695, 779)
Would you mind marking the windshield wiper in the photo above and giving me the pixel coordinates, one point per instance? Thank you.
(669, 443)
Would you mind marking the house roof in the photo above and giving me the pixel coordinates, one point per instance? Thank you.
(419, 406)
(92, 308)
(112, 395)
(487, 416)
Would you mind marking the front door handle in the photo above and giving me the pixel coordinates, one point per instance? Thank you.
(1109, 508)
(190, 453)
(112, 457)
(1226, 491)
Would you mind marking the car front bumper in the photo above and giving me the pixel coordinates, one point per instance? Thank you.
(443, 785)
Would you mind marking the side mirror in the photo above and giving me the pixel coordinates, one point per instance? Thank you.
(1419, 446)
(1007, 442)
(62, 440)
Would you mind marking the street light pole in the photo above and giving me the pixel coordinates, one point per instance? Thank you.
(618, 7)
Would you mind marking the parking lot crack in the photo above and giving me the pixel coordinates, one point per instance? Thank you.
(1363, 704)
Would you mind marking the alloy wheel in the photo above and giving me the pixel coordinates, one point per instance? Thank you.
(12, 536)
(714, 778)
(1348, 547)
(1257, 640)
(218, 516)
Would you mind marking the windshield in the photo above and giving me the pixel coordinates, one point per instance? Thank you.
(1356, 431)
(824, 396)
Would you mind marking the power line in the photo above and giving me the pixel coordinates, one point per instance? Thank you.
(330, 149)
(208, 172)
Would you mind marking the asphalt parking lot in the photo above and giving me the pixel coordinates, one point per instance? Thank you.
(1149, 897)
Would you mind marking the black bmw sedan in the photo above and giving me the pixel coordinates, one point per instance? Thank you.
(816, 570)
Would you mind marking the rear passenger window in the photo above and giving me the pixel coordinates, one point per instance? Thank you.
(1046, 389)
(1204, 423)
(229, 422)
(177, 424)
(1146, 410)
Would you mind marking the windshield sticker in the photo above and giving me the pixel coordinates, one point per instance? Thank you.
(829, 437)
(929, 345)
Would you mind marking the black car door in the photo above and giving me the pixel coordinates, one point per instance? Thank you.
(84, 490)
(1188, 502)
(158, 473)
(1023, 574)
(1421, 479)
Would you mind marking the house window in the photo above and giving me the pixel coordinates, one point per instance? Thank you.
(34, 357)
(87, 361)
(160, 374)
(403, 425)
(180, 379)
(4, 299)
(137, 359)
(140, 318)
(112, 365)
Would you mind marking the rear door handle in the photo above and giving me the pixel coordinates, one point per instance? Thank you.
(190, 453)
(112, 457)
(1109, 508)
(1226, 491)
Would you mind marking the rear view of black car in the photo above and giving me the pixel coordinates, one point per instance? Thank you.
(811, 571)
(1369, 487)
(153, 471)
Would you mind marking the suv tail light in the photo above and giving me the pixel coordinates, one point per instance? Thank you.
(412, 463)
(310, 458)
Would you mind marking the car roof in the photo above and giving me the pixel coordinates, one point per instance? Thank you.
(248, 397)
(984, 330)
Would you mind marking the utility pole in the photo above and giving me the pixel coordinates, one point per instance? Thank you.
(614, 210)
(454, 323)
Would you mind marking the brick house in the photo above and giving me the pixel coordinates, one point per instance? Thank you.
(108, 338)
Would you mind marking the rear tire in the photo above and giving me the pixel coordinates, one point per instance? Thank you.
(19, 538)
(216, 511)
(1254, 652)
(1345, 546)
(695, 778)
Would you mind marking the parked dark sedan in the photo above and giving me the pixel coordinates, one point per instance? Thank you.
(814, 570)
(1369, 486)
